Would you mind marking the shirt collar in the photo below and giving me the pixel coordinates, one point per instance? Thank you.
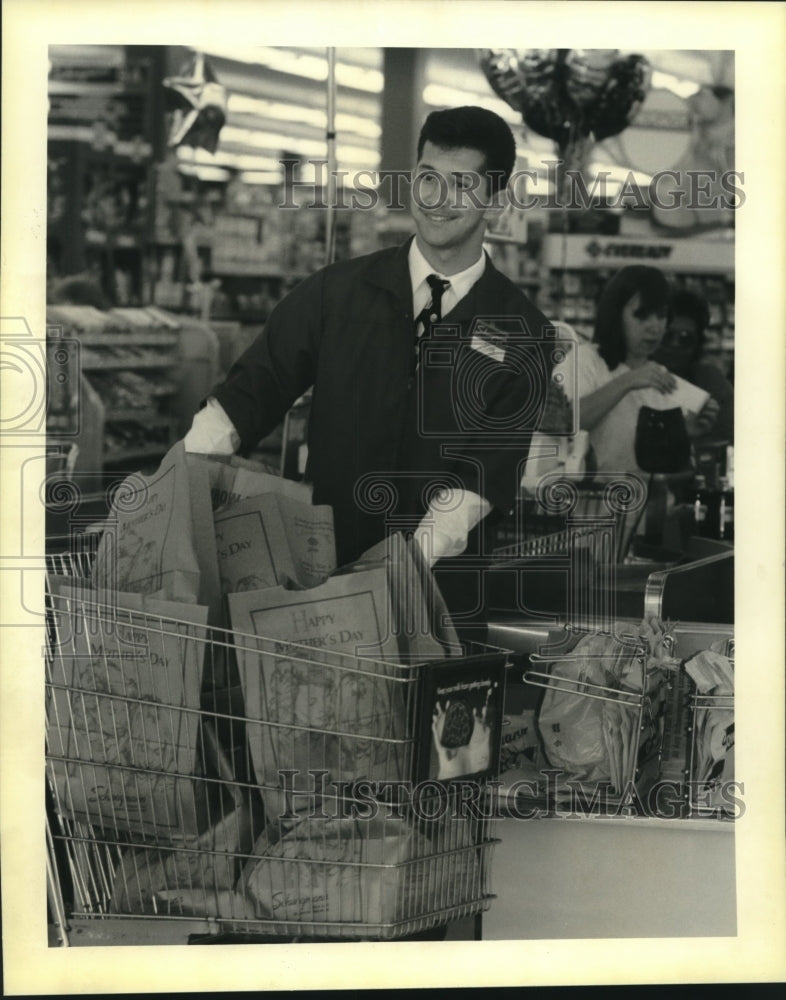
(460, 284)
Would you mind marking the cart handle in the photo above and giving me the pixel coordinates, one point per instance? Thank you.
(616, 695)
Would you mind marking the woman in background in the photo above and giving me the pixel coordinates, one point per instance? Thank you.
(612, 377)
(681, 352)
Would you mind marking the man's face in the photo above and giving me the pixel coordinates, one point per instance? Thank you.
(450, 200)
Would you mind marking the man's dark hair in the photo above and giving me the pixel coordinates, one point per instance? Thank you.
(474, 128)
(653, 290)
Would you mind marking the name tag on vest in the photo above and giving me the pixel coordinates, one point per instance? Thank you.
(484, 347)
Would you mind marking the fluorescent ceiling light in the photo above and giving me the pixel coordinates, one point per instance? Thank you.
(356, 155)
(617, 174)
(243, 161)
(232, 135)
(241, 104)
(204, 173)
(261, 177)
(535, 149)
(360, 126)
(276, 143)
(435, 95)
(312, 67)
(222, 158)
(682, 88)
(358, 78)
(349, 159)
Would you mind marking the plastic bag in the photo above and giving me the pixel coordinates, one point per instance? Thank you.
(572, 726)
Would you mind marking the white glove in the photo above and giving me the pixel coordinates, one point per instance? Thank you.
(447, 523)
(212, 432)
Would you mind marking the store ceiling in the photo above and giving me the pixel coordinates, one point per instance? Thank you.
(277, 104)
(279, 95)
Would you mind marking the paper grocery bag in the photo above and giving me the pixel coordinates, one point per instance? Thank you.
(204, 540)
(271, 539)
(193, 877)
(233, 478)
(442, 627)
(148, 544)
(220, 474)
(420, 621)
(122, 715)
(362, 872)
(314, 703)
(332, 871)
(250, 481)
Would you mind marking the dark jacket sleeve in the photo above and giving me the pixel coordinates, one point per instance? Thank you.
(278, 367)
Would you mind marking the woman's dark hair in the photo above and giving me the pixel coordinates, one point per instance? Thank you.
(686, 303)
(474, 128)
(653, 290)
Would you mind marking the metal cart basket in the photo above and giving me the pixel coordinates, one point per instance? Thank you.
(711, 765)
(633, 716)
(183, 809)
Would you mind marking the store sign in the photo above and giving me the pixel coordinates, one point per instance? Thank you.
(582, 252)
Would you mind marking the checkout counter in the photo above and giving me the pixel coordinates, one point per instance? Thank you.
(620, 871)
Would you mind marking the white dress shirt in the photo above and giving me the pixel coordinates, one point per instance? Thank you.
(460, 284)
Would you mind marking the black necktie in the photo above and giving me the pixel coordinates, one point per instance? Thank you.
(430, 315)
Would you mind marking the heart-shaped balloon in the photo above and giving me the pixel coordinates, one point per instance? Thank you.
(619, 101)
(543, 103)
(539, 65)
(564, 94)
(502, 70)
(586, 72)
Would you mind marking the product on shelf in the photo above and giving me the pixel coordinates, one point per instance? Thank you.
(129, 358)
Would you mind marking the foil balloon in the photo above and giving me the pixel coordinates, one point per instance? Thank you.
(502, 70)
(586, 72)
(544, 110)
(574, 97)
(539, 66)
(565, 93)
(198, 103)
(619, 101)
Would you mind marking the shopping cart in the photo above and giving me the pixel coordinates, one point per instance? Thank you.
(175, 815)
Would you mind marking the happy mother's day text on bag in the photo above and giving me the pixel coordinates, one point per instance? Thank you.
(321, 687)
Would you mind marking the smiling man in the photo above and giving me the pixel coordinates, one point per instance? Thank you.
(426, 363)
(452, 201)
